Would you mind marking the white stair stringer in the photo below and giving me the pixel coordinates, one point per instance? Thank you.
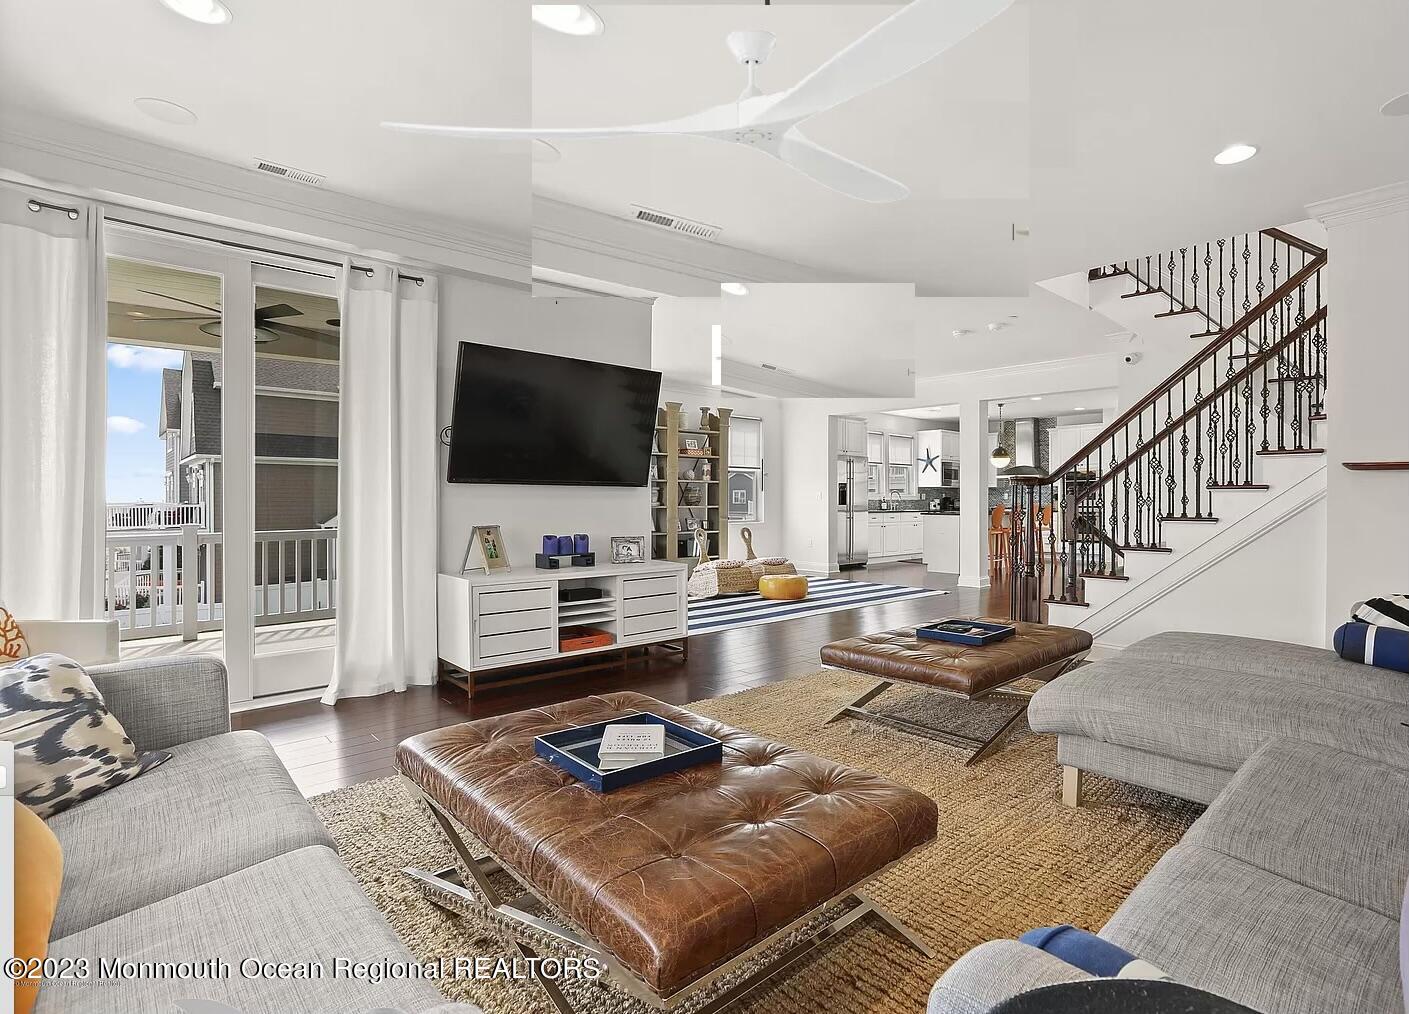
(1247, 573)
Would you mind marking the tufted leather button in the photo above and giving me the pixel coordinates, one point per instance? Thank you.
(675, 874)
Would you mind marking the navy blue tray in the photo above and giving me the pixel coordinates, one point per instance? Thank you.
(575, 751)
(994, 632)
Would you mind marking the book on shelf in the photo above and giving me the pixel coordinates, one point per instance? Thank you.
(625, 745)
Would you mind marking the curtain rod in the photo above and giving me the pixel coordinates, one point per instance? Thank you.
(231, 243)
(37, 206)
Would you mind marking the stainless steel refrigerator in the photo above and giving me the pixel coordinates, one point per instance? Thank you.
(853, 518)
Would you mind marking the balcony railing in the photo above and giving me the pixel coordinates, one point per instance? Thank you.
(131, 517)
(163, 583)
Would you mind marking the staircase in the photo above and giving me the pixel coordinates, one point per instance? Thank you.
(1227, 444)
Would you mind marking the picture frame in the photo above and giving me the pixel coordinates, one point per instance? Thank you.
(692, 443)
(628, 549)
(486, 551)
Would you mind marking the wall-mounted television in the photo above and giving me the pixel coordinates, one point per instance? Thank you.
(530, 418)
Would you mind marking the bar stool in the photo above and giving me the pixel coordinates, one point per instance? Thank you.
(998, 535)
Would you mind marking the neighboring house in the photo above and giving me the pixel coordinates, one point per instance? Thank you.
(295, 440)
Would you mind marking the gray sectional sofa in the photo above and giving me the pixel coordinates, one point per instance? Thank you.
(1286, 894)
(213, 855)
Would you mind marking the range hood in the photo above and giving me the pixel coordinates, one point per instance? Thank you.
(1024, 451)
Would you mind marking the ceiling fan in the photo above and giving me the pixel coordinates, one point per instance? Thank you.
(912, 36)
(267, 325)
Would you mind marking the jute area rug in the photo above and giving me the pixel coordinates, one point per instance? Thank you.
(1008, 857)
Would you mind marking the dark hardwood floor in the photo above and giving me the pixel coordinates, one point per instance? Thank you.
(329, 747)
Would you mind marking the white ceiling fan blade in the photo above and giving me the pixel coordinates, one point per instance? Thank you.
(912, 36)
(838, 173)
(725, 117)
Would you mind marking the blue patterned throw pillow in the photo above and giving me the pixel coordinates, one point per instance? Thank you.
(68, 746)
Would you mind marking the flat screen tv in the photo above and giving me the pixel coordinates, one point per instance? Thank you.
(529, 418)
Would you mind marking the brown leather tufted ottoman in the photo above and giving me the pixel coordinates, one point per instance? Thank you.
(1038, 651)
(672, 881)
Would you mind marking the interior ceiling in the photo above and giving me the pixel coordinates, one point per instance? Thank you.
(1091, 122)
(135, 316)
(954, 131)
(303, 83)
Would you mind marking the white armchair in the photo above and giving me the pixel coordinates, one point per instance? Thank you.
(87, 642)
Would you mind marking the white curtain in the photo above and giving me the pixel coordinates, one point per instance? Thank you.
(52, 405)
(387, 490)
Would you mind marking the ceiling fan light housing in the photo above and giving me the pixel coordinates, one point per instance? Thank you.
(734, 288)
(205, 12)
(570, 19)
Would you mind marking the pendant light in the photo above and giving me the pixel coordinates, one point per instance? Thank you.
(1000, 456)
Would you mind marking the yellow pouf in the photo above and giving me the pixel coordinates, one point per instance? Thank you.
(782, 586)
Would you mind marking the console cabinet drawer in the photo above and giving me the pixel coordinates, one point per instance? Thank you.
(652, 604)
(640, 587)
(650, 623)
(512, 623)
(495, 645)
(511, 600)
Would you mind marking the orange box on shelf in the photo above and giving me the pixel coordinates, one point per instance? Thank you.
(579, 638)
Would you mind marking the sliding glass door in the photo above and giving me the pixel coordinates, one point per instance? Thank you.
(222, 458)
(297, 386)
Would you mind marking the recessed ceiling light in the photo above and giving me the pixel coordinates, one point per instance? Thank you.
(167, 112)
(997, 325)
(207, 12)
(570, 19)
(136, 313)
(1397, 106)
(1079, 408)
(959, 332)
(544, 152)
(734, 288)
(1235, 153)
(1035, 397)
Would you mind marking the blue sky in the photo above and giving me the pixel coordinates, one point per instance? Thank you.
(136, 454)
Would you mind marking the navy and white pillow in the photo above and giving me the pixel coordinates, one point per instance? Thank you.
(1091, 953)
(68, 746)
(1382, 647)
(1390, 611)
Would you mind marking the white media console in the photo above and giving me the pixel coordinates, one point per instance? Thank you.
(490, 622)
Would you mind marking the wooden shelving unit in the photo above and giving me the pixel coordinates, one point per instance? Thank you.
(677, 477)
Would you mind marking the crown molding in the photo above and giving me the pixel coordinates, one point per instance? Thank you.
(102, 165)
(1363, 206)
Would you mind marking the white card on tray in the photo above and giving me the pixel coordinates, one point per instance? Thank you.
(633, 739)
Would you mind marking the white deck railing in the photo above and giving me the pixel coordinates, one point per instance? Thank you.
(128, 517)
(165, 583)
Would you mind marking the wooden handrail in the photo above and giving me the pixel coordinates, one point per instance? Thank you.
(1242, 324)
(1293, 241)
(1251, 367)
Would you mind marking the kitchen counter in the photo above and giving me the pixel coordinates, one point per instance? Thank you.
(941, 535)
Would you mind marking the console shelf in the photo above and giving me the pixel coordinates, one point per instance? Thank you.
(677, 477)
(492, 626)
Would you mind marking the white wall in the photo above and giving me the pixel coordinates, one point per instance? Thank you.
(606, 329)
(1367, 545)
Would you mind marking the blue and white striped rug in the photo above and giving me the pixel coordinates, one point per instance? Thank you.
(824, 595)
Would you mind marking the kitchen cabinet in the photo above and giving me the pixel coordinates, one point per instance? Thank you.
(941, 543)
(850, 435)
(1067, 440)
(875, 448)
(896, 535)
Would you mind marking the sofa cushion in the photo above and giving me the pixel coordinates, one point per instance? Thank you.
(1277, 946)
(300, 907)
(1215, 717)
(68, 746)
(1289, 663)
(995, 971)
(219, 805)
(1319, 817)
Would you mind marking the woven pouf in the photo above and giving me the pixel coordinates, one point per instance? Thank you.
(783, 587)
(722, 577)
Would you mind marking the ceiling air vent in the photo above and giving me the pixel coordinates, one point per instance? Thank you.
(674, 223)
(289, 173)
